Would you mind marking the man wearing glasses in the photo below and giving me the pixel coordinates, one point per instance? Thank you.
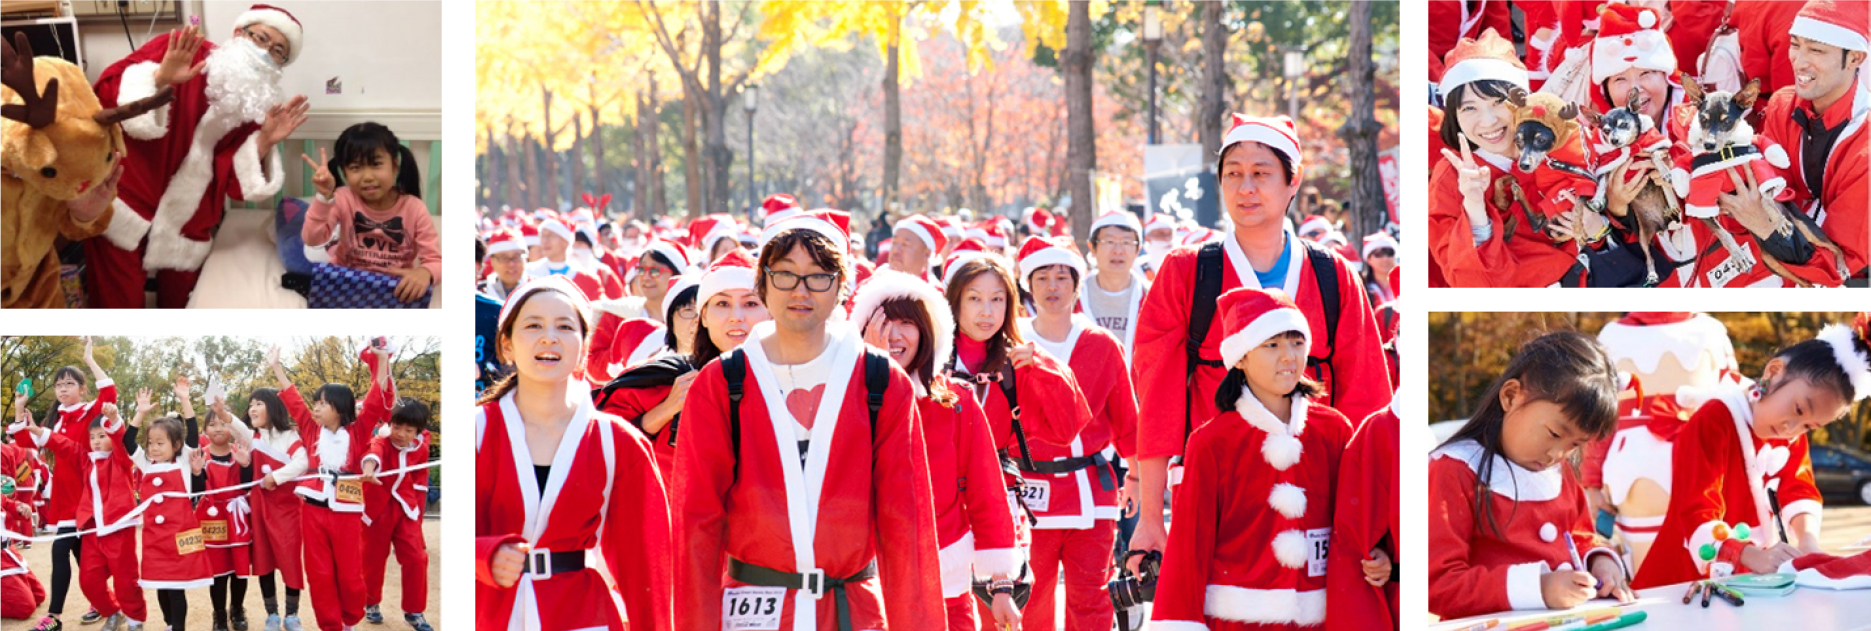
(183, 160)
(832, 511)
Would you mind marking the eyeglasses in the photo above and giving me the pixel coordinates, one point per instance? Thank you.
(276, 50)
(654, 272)
(788, 281)
(1117, 242)
(1383, 253)
(687, 313)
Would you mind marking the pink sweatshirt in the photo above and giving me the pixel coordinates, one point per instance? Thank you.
(397, 238)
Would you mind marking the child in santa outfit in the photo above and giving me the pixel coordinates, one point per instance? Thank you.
(598, 486)
(174, 550)
(907, 317)
(21, 465)
(330, 522)
(225, 517)
(1077, 526)
(762, 452)
(1115, 292)
(106, 476)
(66, 484)
(369, 209)
(1232, 563)
(1744, 499)
(20, 591)
(393, 505)
(1506, 516)
(278, 458)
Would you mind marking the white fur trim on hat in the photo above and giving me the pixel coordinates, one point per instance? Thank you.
(1120, 219)
(824, 228)
(1289, 499)
(1857, 366)
(1482, 69)
(1047, 257)
(558, 228)
(1269, 324)
(504, 245)
(1377, 242)
(672, 251)
(1316, 223)
(1289, 548)
(554, 281)
(1829, 34)
(887, 284)
(279, 19)
(721, 279)
(921, 232)
(958, 259)
(1264, 134)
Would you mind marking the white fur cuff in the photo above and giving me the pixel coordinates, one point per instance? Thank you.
(126, 228)
(254, 184)
(139, 81)
(1523, 586)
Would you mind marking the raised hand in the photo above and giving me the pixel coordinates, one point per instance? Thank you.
(197, 460)
(281, 121)
(242, 453)
(181, 387)
(91, 205)
(321, 173)
(1472, 180)
(111, 412)
(88, 358)
(178, 61)
(142, 399)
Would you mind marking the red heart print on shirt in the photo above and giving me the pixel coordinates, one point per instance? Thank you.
(804, 404)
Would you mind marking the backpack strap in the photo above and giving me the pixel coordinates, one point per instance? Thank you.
(1011, 391)
(1325, 274)
(1208, 274)
(734, 370)
(876, 381)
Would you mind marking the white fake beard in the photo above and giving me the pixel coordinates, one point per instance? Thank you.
(583, 259)
(1156, 248)
(240, 82)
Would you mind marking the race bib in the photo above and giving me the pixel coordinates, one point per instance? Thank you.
(214, 530)
(1726, 272)
(751, 608)
(1036, 493)
(1318, 542)
(350, 491)
(188, 541)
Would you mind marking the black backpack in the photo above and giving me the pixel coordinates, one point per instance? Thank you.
(734, 370)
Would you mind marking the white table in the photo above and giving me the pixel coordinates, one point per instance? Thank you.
(1805, 609)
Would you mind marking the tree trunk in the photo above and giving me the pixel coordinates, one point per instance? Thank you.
(640, 164)
(549, 158)
(577, 158)
(893, 116)
(1210, 122)
(720, 157)
(653, 147)
(531, 182)
(1081, 136)
(492, 170)
(1366, 199)
(692, 154)
(516, 186)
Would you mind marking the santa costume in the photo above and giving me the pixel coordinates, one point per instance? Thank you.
(804, 552)
(107, 568)
(1253, 521)
(226, 518)
(185, 159)
(600, 492)
(331, 519)
(974, 525)
(20, 464)
(393, 519)
(1125, 327)
(1454, 20)
(174, 550)
(1365, 518)
(20, 591)
(1074, 491)
(588, 281)
(275, 517)
(623, 339)
(645, 385)
(63, 491)
(500, 242)
(1352, 367)
(1629, 37)
(1828, 173)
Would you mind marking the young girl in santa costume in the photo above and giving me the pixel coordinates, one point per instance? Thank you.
(278, 458)
(1744, 499)
(393, 505)
(709, 314)
(20, 590)
(226, 517)
(369, 209)
(555, 477)
(1506, 514)
(330, 522)
(174, 551)
(907, 317)
(107, 484)
(74, 415)
(1254, 510)
(1077, 526)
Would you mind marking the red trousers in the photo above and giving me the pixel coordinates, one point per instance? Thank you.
(276, 540)
(334, 571)
(114, 278)
(20, 595)
(961, 612)
(112, 559)
(1086, 557)
(389, 527)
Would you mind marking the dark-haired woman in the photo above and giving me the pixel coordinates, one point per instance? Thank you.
(278, 458)
(370, 197)
(1254, 510)
(556, 478)
(1506, 513)
(1742, 460)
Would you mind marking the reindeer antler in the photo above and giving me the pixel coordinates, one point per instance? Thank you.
(1518, 96)
(1569, 112)
(111, 116)
(16, 71)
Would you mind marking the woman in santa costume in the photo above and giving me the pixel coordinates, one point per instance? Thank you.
(214, 141)
(278, 457)
(174, 551)
(1507, 520)
(1077, 523)
(906, 316)
(1260, 171)
(1745, 500)
(630, 332)
(1254, 510)
(330, 522)
(712, 312)
(760, 452)
(556, 478)
(1820, 120)
(1116, 280)
(66, 484)
(107, 486)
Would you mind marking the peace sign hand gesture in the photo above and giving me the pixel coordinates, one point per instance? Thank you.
(321, 173)
(1472, 181)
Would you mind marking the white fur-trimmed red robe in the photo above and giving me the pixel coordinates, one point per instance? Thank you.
(1721, 472)
(621, 344)
(1253, 521)
(66, 484)
(1843, 209)
(860, 496)
(973, 525)
(1366, 514)
(1077, 499)
(604, 495)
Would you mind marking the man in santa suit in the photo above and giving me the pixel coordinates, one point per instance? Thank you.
(916, 238)
(1259, 169)
(1159, 237)
(1820, 120)
(832, 514)
(583, 255)
(1676, 361)
(214, 141)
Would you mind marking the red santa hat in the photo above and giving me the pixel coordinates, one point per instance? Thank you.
(673, 252)
(830, 224)
(529, 233)
(1118, 218)
(969, 249)
(1488, 58)
(1377, 241)
(1630, 37)
(1315, 222)
(1846, 342)
(1835, 23)
(1038, 252)
(734, 270)
(1252, 316)
(1198, 235)
(704, 232)
(1276, 132)
(951, 228)
(505, 240)
(1160, 221)
(559, 227)
(677, 285)
(992, 234)
(1038, 220)
(779, 206)
(559, 282)
(269, 15)
(889, 284)
(924, 228)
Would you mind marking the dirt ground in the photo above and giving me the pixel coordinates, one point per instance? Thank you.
(201, 614)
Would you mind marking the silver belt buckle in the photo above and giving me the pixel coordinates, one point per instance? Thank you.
(541, 566)
(815, 582)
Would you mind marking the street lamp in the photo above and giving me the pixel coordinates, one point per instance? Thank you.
(1152, 39)
(1295, 70)
(750, 100)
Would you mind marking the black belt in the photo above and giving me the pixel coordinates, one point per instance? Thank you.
(1723, 154)
(1068, 465)
(815, 582)
(544, 564)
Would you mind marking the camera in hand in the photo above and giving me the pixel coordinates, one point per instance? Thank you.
(1129, 590)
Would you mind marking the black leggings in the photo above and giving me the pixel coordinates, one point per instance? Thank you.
(61, 567)
(218, 594)
(268, 593)
(174, 603)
